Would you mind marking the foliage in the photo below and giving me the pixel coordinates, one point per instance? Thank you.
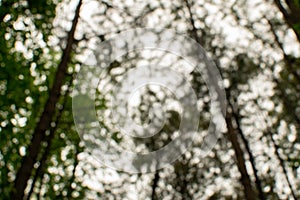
(255, 49)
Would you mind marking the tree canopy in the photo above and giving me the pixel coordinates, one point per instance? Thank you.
(92, 91)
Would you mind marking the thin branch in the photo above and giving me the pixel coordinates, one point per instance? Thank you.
(76, 162)
(192, 22)
(281, 162)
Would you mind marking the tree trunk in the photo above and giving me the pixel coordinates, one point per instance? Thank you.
(258, 183)
(26, 168)
(40, 170)
(154, 185)
(245, 178)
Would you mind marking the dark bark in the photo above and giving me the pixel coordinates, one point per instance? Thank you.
(154, 186)
(245, 178)
(40, 170)
(26, 168)
(258, 182)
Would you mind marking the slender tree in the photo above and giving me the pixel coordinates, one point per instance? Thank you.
(241, 163)
(25, 171)
(49, 139)
(232, 132)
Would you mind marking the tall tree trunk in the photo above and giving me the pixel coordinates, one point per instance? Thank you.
(39, 171)
(232, 133)
(26, 168)
(245, 178)
(258, 183)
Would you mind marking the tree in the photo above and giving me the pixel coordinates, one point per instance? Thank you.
(45, 120)
(255, 48)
